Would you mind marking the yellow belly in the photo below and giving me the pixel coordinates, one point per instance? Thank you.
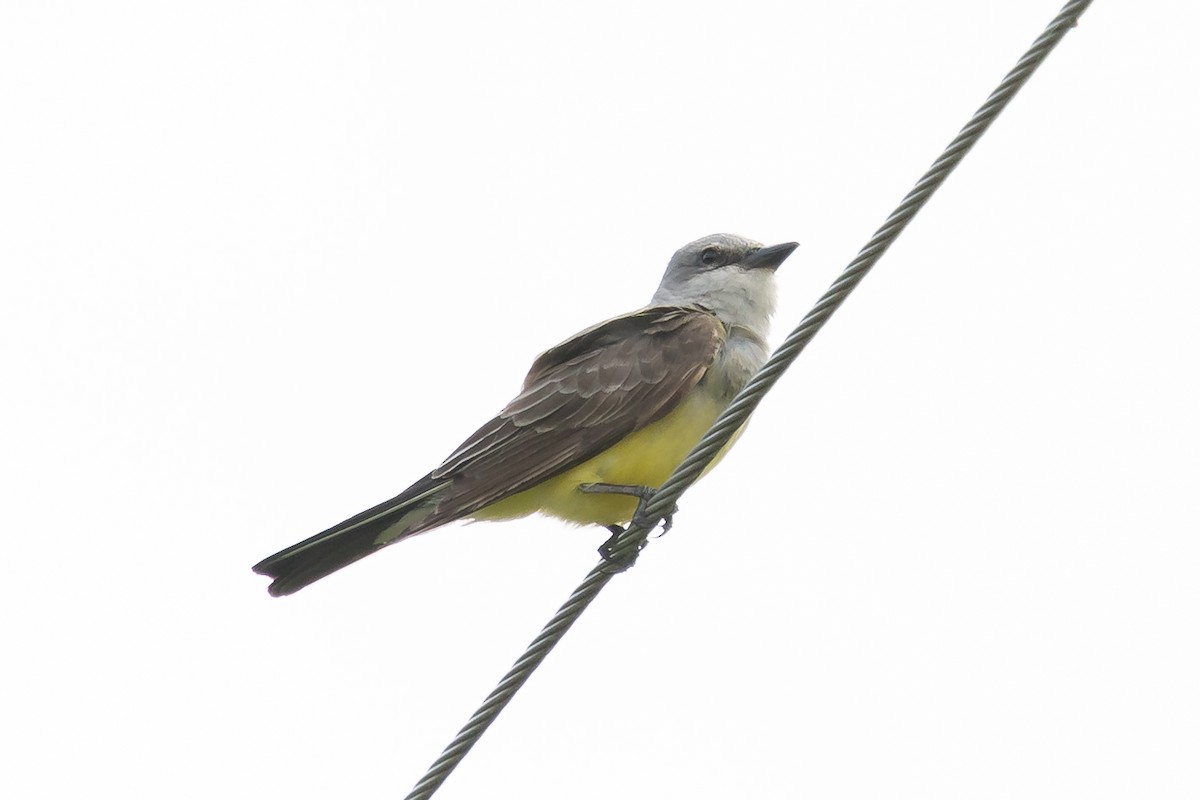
(644, 458)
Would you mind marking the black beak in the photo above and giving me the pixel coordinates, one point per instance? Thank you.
(769, 257)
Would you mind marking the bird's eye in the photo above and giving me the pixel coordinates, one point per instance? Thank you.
(710, 257)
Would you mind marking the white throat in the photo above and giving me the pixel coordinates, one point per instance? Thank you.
(739, 298)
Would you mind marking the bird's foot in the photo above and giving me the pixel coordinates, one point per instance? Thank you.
(614, 561)
(644, 495)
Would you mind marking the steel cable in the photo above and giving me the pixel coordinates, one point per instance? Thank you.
(723, 429)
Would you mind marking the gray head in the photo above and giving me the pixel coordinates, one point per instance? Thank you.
(732, 276)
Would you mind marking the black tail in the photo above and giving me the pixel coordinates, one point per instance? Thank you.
(347, 542)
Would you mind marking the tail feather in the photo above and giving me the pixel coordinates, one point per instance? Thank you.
(299, 565)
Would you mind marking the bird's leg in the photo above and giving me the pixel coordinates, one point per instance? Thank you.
(643, 492)
(644, 495)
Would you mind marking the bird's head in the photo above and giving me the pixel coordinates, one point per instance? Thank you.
(732, 276)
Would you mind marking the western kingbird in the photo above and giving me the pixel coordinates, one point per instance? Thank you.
(601, 418)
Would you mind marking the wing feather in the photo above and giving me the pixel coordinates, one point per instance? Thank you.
(580, 398)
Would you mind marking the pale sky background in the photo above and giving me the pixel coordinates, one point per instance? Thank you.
(264, 264)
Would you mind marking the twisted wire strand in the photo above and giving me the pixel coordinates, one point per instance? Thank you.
(723, 429)
(729, 421)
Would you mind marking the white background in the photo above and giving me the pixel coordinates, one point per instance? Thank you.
(264, 264)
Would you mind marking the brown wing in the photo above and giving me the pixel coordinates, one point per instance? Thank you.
(580, 398)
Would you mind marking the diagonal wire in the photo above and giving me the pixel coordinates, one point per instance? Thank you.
(747, 400)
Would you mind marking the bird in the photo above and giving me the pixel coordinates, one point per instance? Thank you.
(602, 419)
